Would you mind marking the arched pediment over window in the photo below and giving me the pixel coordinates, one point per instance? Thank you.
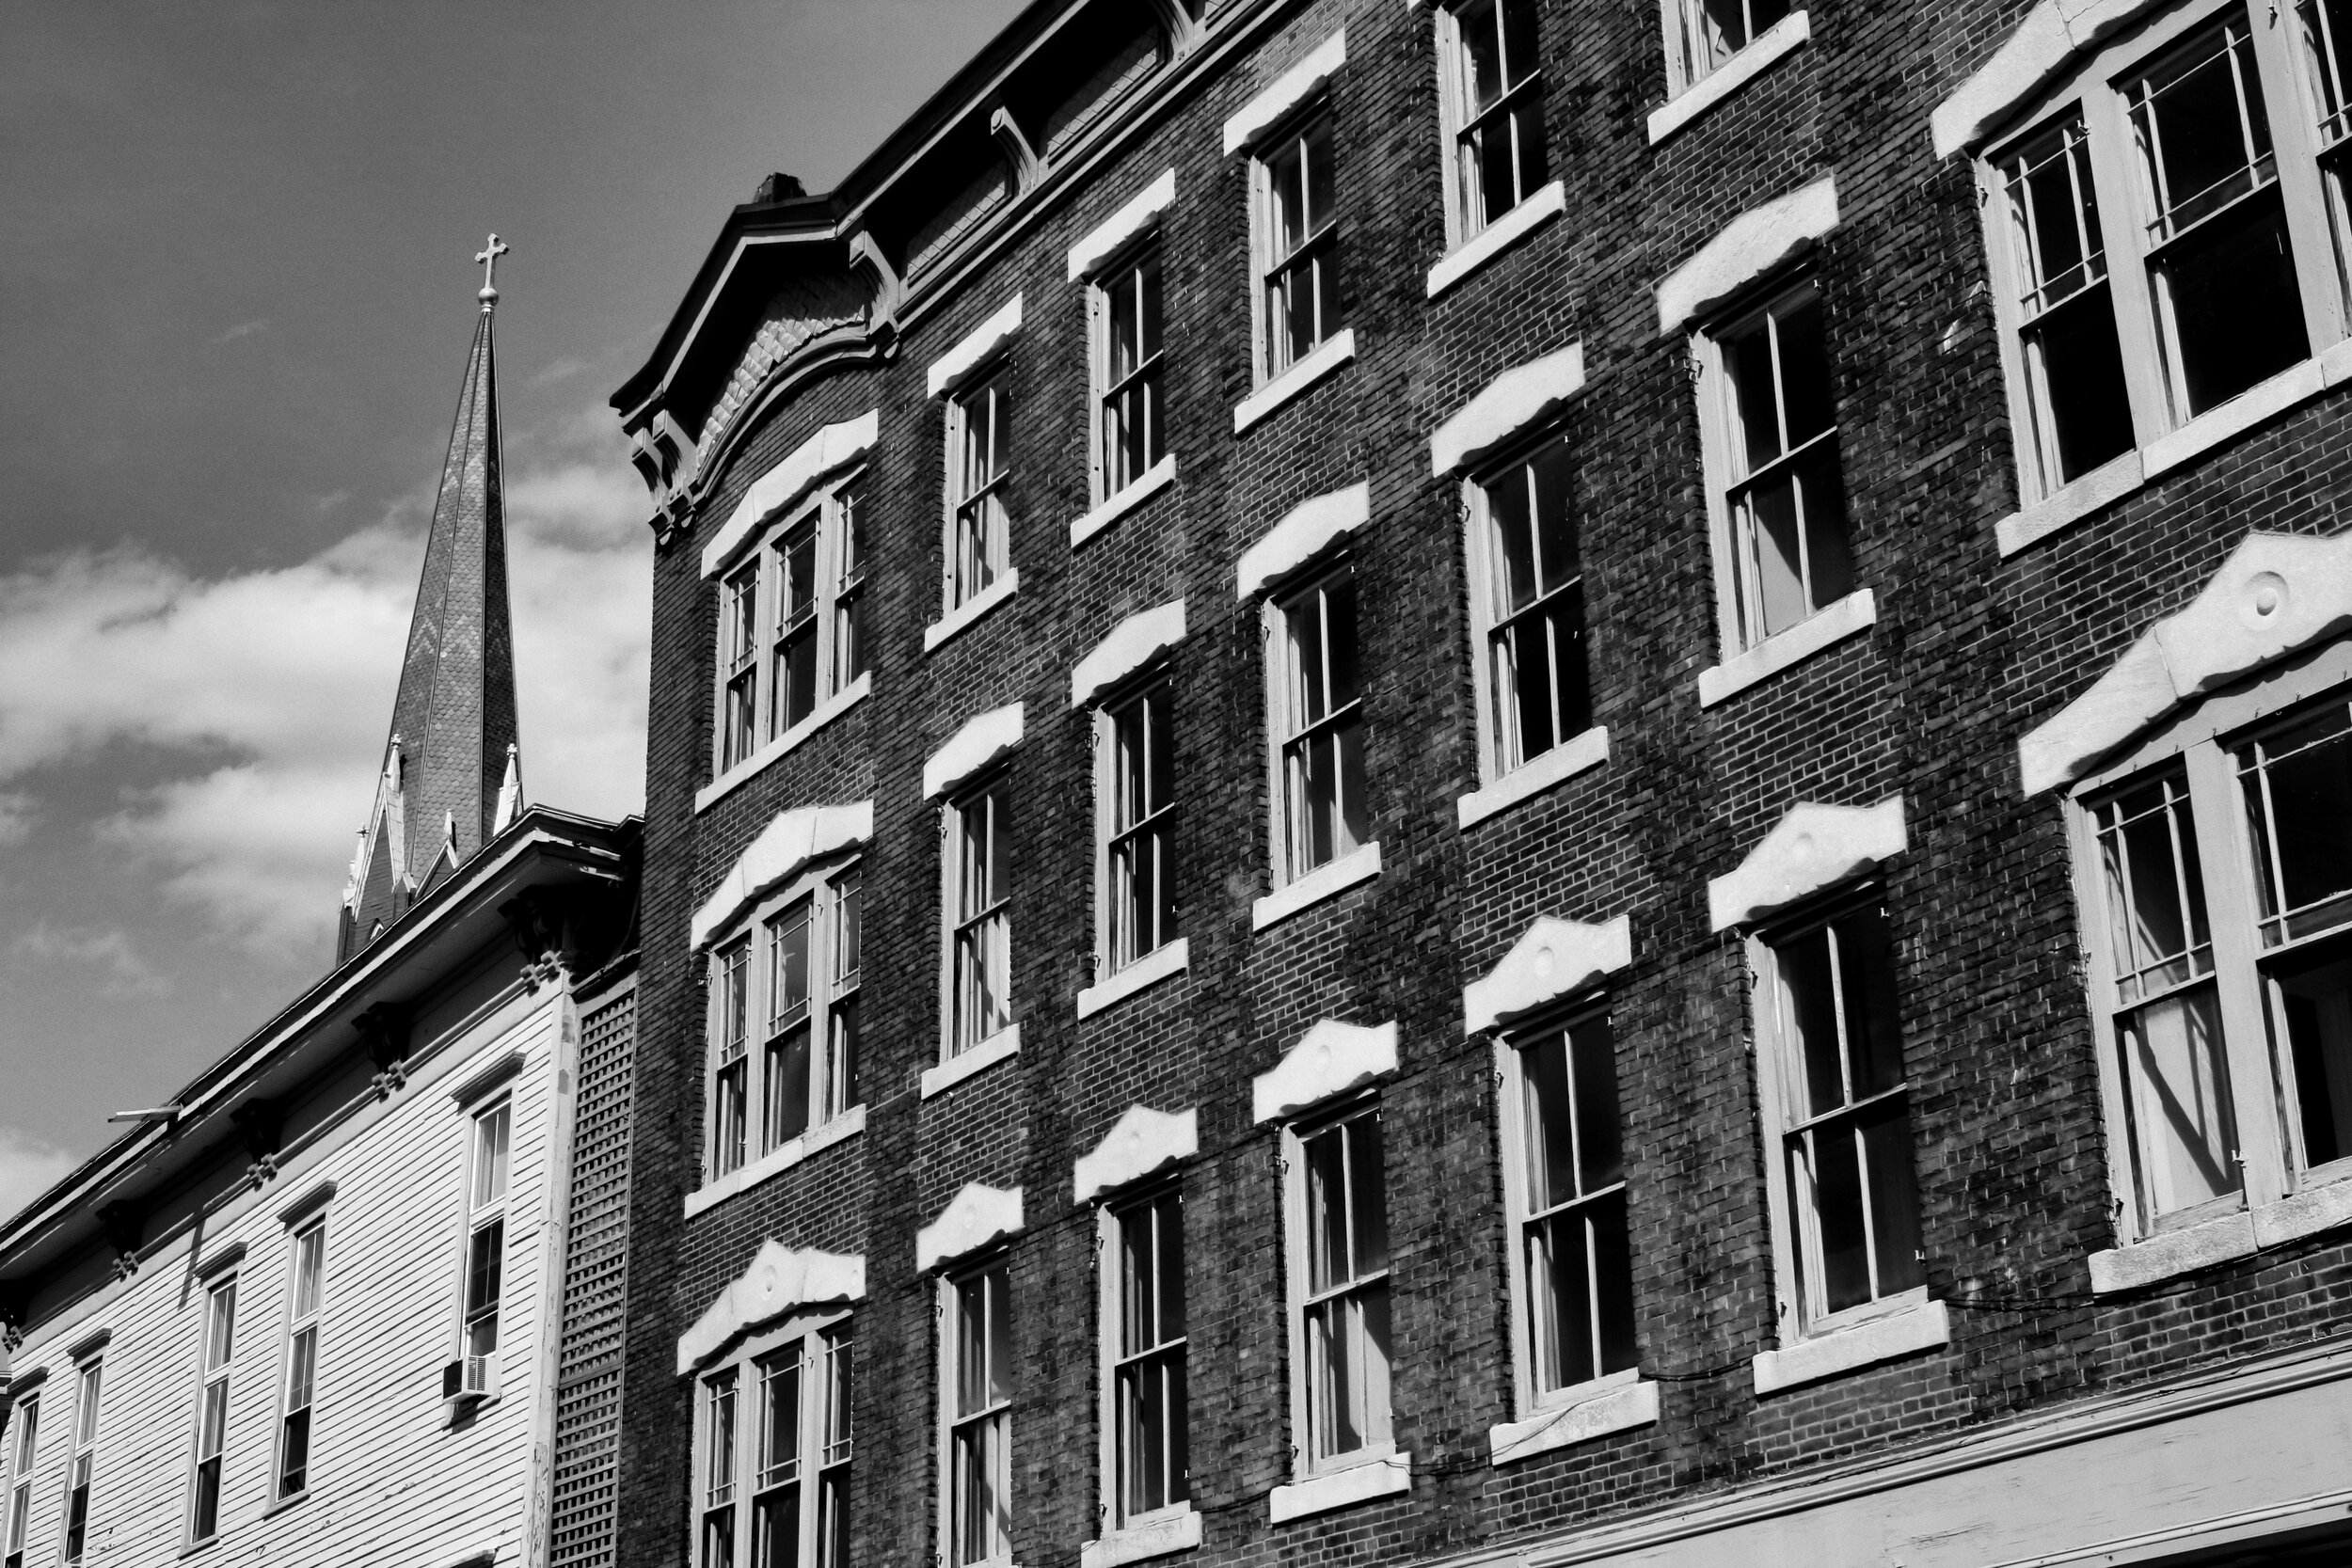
(781, 1280)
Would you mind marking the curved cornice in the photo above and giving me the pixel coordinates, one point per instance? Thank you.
(780, 1281)
(783, 850)
(1141, 1142)
(1330, 1060)
(1552, 962)
(1812, 850)
(978, 1216)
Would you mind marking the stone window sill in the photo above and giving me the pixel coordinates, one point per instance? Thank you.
(1920, 1325)
(1577, 754)
(2104, 486)
(1360, 865)
(1156, 478)
(1163, 1534)
(1382, 1475)
(1498, 237)
(2169, 1253)
(848, 1124)
(947, 1075)
(972, 609)
(1169, 959)
(1780, 38)
(775, 751)
(1616, 1403)
(1825, 627)
(1322, 361)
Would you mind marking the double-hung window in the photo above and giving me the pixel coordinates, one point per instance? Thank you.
(485, 1248)
(1839, 1113)
(1530, 615)
(980, 444)
(1340, 1292)
(1138, 821)
(1568, 1198)
(1295, 178)
(79, 1471)
(1145, 1393)
(27, 1448)
(1704, 35)
(980, 918)
(791, 631)
(784, 1020)
(1130, 370)
(1772, 460)
(976, 1396)
(2217, 880)
(1494, 108)
(1316, 721)
(302, 1359)
(776, 1495)
(212, 1412)
(2168, 234)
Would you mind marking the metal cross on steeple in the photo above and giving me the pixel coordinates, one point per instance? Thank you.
(488, 255)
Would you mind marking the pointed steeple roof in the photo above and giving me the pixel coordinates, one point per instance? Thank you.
(450, 777)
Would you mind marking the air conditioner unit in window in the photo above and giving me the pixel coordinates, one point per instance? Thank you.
(470, 1377)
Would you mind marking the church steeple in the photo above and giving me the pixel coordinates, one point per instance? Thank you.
(451, 775)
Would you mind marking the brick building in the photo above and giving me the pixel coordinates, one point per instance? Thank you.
(1510, 781)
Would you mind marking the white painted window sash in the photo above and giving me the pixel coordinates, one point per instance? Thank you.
(977, 549)
(1151, 834)
(750, 710)
(1342, 1299)
(733, 1473)
(298, 1390)
(976, 919)
(81, 1469)
(215, 1352)
(984, 1432)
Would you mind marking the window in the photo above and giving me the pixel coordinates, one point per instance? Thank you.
(792, 629)
(302, 1359)
(976, 1388)
(85, 1459)
(1318, 725)
(1138, 823)
(20, 1479)
(486, 1244)
(979, 936)
(1495, 109)
(1341, 1293)
(979, 444)
(1129, 371)
(1530, 614)
(2158, 250)
(796, 973)
(1568, 1207)
(1297, 244)
(1775, 467)
(1844, 1118)
(1151, 1463)
(795, 1392)
(1707, 33)
(212, 1418)
(2222, 951)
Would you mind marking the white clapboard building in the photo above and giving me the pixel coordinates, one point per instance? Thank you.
(315, 1309)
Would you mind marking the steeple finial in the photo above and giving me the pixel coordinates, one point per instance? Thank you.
(488, 255)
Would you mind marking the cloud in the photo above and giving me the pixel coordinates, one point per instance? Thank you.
(19, 811)
(28, 1167)
(243, 330)
(125, 972)
(562, 369)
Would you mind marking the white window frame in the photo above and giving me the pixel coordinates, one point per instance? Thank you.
(822, 1348)
(1379, 1446)
(951, 1371)
(481, 1328)
(1285, 830)
(1779, 1075)
(1454, 113)
(25, 1454)
(1319, 250)
(215, 1357)
(729, 1015)
(1501, 754)
(1158, 689)
(1532, 1397)
(1102, 283)
(990, 385)
(299, 1376)
(1111, 1217)
(836, 606)
(81, 1470)
(2285, 1197)
(956, 1040)
(1682, 20)
(2316, 239)
(1723, 452)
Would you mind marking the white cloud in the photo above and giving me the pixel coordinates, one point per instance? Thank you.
(560, 369)
(243, 330)
(124, 972)
(28, 1168)
(19, 811)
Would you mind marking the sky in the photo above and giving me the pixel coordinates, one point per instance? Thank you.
(236, 291)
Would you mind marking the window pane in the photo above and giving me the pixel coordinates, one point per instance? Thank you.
(2236, 316)
(1894, 1198)
(1802, 964)
(841, 1064)
(1748, 361)
(2311, 1005)
(1139, 1292)
(787, 1076)
(2081, 384)
(1549, 1119)
(1834, 1157)
(1366, 1188)
(776, 1530)
(2177, 1089)
(2201, 125)
(1327, 1251)
(2155, 887)
(1804, 371)
(1600, 1157)
(1866, 963)
(490, 1156)
(220, 1326)
(1482, 52)
(2299, 790)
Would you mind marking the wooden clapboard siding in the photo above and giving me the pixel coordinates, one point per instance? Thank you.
(390, 1482)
